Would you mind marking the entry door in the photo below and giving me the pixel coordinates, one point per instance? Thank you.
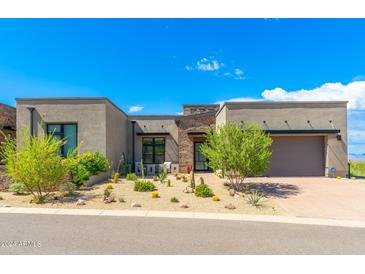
(200, 162)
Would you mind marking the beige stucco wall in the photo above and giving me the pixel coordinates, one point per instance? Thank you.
(116, 134)
(153, 124)
(90, 116)
(297, 115)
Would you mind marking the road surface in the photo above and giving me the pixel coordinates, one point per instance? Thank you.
(67, 234)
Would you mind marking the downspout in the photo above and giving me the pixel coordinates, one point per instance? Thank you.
(133, 149)
(31, 125)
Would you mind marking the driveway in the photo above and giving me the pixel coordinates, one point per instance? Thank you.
(317, 197)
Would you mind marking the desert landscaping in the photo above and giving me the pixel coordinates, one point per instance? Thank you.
(124, 197)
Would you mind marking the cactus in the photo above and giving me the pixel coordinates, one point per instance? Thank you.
(192, 180)
(142, 169)
(168, 183)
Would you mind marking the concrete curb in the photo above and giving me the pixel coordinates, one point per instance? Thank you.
(188, 215)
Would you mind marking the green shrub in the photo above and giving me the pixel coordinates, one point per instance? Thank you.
(83, 166)
(174, 200)
(18, 188)
(94, 162)
(184, 179)
(144, 186)
(36, 163)
(357, 168)
(131, 177)
(162, 175)
(203, 191)
(107, 192)
(255, 198)
(68, 188)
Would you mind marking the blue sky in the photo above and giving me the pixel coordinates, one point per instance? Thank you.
(153, 66)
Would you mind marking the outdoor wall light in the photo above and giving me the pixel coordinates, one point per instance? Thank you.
(308, 122)
(285, 121)
(338, 137)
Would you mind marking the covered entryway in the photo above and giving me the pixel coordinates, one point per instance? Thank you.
(297, 156)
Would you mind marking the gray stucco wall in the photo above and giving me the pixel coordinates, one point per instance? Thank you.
(153, 124)
(116, 134)
(90, 116)
(297, 115)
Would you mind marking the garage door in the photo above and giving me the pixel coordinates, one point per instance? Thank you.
(297, 156)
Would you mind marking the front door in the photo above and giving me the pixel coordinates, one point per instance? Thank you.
(200, 162)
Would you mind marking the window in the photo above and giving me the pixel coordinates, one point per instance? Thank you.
(153, 150)
(66, 132)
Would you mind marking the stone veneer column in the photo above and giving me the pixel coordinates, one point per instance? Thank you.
(186, 125)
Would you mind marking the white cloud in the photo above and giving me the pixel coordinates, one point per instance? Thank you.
(238, 74)
(179, 113)
(208, 64)
(135, 108)
(211, 64)
(353, 92)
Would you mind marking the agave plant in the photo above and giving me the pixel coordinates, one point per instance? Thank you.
(255, 198)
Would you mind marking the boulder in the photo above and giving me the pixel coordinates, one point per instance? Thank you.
(80, 202)
(135, 205)
(184, 205)
(109, 199)
(232, 192)
(230, 206)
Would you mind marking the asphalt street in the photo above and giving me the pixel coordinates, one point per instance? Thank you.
(67, 234)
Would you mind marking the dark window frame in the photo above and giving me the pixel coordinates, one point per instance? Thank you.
(154, 154)
(61, 134)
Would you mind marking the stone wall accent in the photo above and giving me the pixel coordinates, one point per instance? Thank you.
(7, 121)
(197, 124)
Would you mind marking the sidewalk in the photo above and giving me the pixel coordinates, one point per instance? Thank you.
(188, 215)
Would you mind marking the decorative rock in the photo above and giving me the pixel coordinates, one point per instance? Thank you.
(135, 205)
(188, 189)
(109, 199)
(230, 206)
(80, 202)
(232, 192)
(184, 205)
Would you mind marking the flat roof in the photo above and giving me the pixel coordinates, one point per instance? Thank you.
(101, 99)
(279, 103)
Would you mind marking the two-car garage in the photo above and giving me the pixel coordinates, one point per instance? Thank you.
(297, 156)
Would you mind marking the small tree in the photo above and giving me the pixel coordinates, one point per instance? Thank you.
(239, 150)
(36, 163)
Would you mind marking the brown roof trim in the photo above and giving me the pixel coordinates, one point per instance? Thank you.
(208, 113)
(200, 105)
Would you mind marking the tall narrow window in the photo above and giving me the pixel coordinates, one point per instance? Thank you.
(153, 150)
(66, 132)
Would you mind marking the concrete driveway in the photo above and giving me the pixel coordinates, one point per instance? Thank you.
(317, 197)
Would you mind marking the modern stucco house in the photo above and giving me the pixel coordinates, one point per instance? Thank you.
(309, 138)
